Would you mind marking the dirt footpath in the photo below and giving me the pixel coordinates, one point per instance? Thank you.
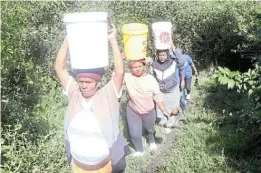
(151, 162)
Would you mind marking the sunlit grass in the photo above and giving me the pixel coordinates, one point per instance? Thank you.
(206, 143)
(209, 140)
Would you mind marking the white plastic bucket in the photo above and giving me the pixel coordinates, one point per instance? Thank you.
(88, 39)
(162, 35)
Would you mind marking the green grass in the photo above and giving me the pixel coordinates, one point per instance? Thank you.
(213, 139)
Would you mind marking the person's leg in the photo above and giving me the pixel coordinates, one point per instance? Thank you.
(176, 99)
(148, 122)
(182, 99)
(176, 102)
(188, 87)
(135, 128)
(120, 166)
(175, 109)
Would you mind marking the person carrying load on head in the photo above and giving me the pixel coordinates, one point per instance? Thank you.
(168, 69)
(143, 93)
(93, 139)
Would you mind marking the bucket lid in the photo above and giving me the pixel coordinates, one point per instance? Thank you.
(135, 28)
(84, 17)
(168, 24)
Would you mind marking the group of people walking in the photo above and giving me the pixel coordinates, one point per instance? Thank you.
(93, 139)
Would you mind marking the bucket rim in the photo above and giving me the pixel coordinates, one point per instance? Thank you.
(84, 17)
(145, 28)
(162, 22)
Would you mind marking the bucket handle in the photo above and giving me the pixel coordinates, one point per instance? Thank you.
(127, 38)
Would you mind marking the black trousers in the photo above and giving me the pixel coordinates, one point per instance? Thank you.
(136, 123)
(188, 85)
(120, 166)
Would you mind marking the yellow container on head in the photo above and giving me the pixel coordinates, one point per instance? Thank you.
(135, 40)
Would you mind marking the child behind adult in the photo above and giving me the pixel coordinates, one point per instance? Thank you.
(143, 90)
(165, 71)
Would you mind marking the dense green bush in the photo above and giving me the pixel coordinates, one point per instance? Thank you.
(248, 82)
(32, 104)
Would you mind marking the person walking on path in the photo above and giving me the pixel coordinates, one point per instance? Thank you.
(93, 140)
(143, 91)
(164, 69)
(188, 73)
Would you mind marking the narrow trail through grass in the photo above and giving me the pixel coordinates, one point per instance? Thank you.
(210, 138)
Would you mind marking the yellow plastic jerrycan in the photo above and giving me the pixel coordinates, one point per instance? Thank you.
(135, 39)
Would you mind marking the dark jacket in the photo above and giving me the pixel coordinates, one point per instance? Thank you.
(166, 73)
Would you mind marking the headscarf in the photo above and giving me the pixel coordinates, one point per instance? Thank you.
(95, 74)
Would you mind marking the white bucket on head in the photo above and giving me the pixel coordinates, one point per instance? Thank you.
(88, 39)
(162, 35)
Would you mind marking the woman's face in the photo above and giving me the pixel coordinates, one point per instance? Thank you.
(88, 86)
(137, 68)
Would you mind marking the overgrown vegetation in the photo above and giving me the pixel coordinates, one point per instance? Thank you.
(216, 136)
(33, 106)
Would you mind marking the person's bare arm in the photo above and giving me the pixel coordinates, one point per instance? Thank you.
(60, 64)
(182, 78)
(157, 97)
(123, 56)
(118, 60)
(173, 47)
(195, 69)
(163, 109)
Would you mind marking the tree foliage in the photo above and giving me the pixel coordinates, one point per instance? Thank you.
(244, 82)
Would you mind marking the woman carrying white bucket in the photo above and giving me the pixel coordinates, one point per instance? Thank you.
(93, 141)
(166, 68)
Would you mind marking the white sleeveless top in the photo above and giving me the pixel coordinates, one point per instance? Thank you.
(87, 142)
